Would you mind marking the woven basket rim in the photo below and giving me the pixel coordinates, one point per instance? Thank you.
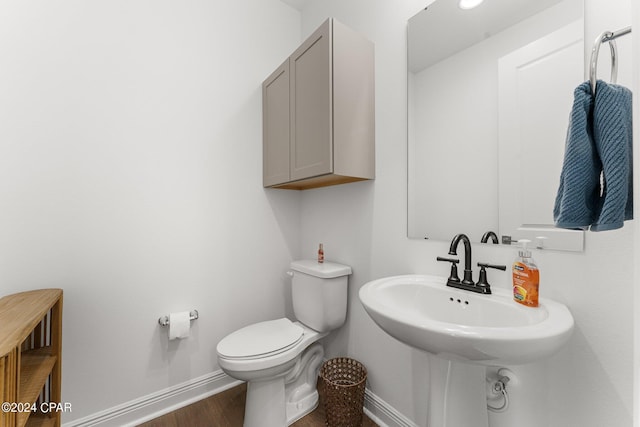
(348, 361)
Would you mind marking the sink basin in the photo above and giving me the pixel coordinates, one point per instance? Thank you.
(421, 311)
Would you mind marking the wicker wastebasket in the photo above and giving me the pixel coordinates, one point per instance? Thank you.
(344, 382)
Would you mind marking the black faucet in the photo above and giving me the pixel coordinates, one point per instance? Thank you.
(467, 283)
(467, 278)
(489, 235)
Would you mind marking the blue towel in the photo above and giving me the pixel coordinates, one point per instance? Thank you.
(596, 180)
(612, 131)
(578, 194)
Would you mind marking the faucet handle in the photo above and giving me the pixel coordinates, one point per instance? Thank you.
(483, 265)
(453, 275)
(482, 280)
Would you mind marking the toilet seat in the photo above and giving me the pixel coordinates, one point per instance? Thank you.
(261, 340)
(239, 364)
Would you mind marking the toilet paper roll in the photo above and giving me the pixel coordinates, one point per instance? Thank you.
(179, 324)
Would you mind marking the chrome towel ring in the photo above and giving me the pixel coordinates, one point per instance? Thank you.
(606, 36)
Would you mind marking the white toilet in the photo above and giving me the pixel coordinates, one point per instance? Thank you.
(280, 359)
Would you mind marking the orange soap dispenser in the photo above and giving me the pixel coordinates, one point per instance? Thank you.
(526, 277)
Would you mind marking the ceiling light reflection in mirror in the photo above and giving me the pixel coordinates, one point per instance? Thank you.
(469, 4)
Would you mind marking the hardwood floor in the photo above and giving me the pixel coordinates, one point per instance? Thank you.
(226, 409)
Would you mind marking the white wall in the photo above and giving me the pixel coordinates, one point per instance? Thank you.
(131, 177)
(364, 225)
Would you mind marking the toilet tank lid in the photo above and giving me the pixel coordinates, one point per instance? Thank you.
(325, 270)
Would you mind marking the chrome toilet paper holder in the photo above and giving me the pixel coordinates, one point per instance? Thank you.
(164, 320)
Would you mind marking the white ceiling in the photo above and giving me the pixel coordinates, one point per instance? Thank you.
(298, 4)
(443, 29)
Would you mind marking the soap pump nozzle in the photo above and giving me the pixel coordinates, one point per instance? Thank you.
(524, 252)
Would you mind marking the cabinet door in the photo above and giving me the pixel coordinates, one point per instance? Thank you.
(275, 127)
(311, 106)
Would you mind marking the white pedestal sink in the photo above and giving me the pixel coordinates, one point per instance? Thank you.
(467, 332)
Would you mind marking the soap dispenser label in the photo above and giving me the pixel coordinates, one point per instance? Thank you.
(525, 284)
(519, 293)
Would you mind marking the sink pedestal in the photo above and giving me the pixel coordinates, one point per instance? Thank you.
(457, 394)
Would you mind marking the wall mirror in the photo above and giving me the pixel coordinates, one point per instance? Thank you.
(490, 90)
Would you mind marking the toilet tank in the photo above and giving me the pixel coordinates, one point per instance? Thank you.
(319, 293)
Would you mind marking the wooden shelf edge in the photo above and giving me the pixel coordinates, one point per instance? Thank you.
(35, 367)
(29, 319)
(21, 312)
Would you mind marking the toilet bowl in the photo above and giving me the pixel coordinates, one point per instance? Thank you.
(280, 359)
(282, 377)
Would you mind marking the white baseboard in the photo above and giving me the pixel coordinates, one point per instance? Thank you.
(384, 414)
(162, 402)
(159, 403)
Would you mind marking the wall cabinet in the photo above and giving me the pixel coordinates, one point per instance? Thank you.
(318, 112)
(30, 358)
